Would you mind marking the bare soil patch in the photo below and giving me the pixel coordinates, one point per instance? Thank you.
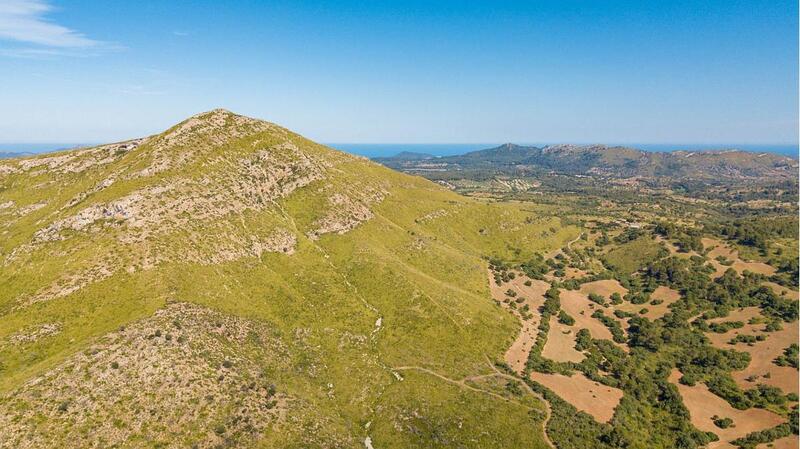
(703, 405)
(517, 354)
(762, 354)
(604, 288)
(790, 442)
(744, 315)
(578, 305)
(574, 273)
(560, 344)
(783, 291)
(584, 394)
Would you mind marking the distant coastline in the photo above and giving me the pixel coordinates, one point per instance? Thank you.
(373, 150)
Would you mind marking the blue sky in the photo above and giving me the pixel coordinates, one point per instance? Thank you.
(428, 71)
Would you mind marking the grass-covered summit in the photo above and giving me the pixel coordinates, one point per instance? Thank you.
(228, 282)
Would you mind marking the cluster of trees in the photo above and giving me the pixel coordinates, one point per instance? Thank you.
(651, 413)
(501, 270)
(758, 232)
(751, 440)
(686, 238)
(789, 357)
(613, 326)
(536, 267)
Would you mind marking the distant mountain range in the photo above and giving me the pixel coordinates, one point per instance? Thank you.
(10, 154)
(602, 160)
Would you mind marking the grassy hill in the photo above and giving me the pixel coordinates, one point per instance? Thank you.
(230, 283)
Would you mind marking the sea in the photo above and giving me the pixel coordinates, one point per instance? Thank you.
(372, 150)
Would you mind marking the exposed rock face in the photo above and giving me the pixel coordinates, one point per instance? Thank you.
(179, 375)
(344, 215)
(32, 335)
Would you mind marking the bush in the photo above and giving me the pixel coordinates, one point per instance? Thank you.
(564, 318)
(722, 423)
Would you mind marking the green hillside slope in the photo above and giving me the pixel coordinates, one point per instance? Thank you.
(228, 283)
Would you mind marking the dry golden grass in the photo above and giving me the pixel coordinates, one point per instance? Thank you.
(517, 353)
(584, 394)
(744, 315)
(762, 354)
(577, 305)
(783, 291)
(703, 405)
(790, 442)
(560, 344)
(604, 288)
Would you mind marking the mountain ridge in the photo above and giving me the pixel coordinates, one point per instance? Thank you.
(612, 161)
(347, 270)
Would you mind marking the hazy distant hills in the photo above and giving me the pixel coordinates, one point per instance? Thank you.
(601, 160)
(9, 154)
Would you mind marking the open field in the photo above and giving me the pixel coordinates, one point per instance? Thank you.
(584, 394)
(721, 249)
(560, 344)
(703, 405)
(762, 354)
(790, 442)
(744, 314)
(604, 288)
(577, 305)
(783, 291)
(517, 353)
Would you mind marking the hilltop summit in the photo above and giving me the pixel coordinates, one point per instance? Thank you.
(229, 282)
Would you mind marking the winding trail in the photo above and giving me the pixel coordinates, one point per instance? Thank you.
(548, 411)
(555, 252)
(463, 383)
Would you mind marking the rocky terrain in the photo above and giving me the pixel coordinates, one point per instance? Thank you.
(228, 283)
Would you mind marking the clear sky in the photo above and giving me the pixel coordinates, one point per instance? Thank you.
(405, 71)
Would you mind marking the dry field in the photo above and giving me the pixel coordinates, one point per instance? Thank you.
(762, 354)
(574, 273)
(517, 353)
(783, 291)
(584, 394)
(666, 294)
(604, 288)
(703, 405)
(577, 305)
(720, 249)
(560, 344)
(790, 442)
(744, 315)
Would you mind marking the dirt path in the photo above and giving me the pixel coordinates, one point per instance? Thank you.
(555, 252)
(495, 373)
(548, 412)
